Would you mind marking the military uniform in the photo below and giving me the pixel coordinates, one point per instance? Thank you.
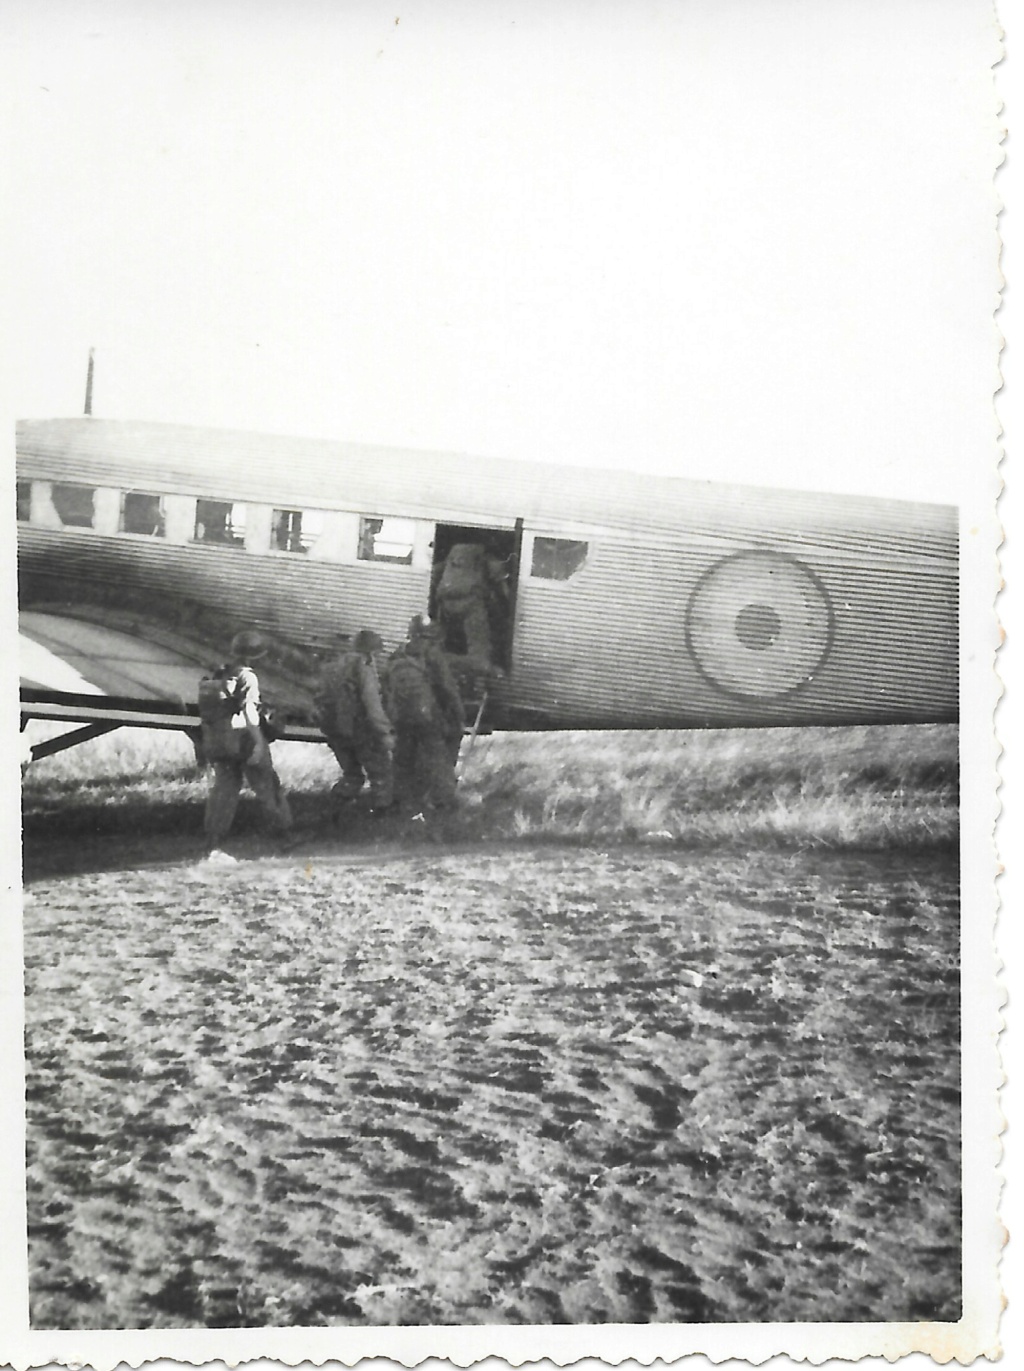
(350, 711)
(426, 708)
(446, 693)
(238, 752)
(472, 586)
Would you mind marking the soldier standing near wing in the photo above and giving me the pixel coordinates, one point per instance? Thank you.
(350, 711)
(425, 704)
(234, 743)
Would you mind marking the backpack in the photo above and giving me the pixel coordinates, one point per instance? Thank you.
(220, 703)
(220, 696)
(272, 722)
(409, 694)
(336, 700)
(464, 572)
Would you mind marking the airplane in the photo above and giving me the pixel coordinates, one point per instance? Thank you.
(631, 601)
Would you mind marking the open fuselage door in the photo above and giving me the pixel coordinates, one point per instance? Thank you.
(488, 558)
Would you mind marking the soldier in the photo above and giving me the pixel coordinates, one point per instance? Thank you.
(426, 707)
(442, 681)
(234, 743)
(350, 711)
(472, 588)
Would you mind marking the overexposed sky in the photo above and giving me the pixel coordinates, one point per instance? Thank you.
(720, 238)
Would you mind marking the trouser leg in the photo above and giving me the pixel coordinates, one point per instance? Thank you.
(450, 616)
(375, 760)
(222, 799)
(477, 628)
(436, 768)
(403, 769)
(267, 788)
(453, 745)
(352, 773)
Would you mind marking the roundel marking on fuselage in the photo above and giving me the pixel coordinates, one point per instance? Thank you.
(759, 624)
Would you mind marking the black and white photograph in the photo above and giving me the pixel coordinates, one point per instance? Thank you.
(502, 560)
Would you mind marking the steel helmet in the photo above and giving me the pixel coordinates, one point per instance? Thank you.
(368, 641)
(420, 626)
(249, 644)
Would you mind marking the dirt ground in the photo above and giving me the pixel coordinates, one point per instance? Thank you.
(524, 1085)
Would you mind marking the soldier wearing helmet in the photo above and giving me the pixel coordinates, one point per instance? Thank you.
(234, 744)
(426, 707)
(472, 597)
(350, 712)
(427, 640)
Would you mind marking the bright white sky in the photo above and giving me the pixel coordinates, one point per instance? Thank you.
(721, 238)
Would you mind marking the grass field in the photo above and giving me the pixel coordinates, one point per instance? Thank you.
(658, 1028)
(843, 789)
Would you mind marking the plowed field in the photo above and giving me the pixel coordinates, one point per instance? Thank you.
(514, 1086)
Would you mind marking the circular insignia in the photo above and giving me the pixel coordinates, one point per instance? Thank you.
(759, 624)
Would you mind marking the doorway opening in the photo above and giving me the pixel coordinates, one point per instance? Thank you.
(473, 582)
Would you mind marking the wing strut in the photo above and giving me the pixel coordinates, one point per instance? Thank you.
(72, 739)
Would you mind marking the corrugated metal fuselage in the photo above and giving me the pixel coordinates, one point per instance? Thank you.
(694, 605)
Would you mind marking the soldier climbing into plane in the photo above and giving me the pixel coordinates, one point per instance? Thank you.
(473, 600)
(426, 707)
(350, 711)
(425, 640)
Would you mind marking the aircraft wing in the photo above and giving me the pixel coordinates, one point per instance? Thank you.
(77, 671)
(83, 657)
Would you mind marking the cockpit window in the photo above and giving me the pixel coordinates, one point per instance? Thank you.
(386, 539)
(75, 505)
(557, 559)
(221, 522)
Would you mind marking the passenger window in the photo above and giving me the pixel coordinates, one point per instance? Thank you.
(24, 501)
(295, 530)
(142, 513)
(221, 522)
(557, 559)
(75, 505)
(384, 539)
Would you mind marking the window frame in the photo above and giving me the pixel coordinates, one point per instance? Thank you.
(528, 560)
(305, 549)
(405, 563)
(237, 541)
(157, 495)
(55, 486)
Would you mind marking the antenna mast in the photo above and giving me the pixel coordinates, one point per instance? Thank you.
(88, 383)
